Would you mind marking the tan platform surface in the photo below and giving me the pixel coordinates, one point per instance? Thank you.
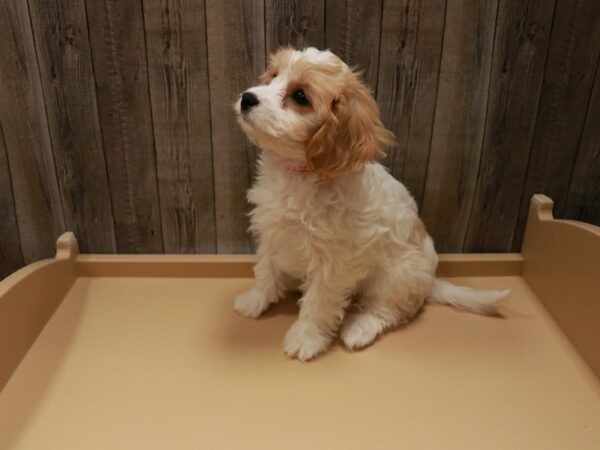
(142, 363)
(144, 352)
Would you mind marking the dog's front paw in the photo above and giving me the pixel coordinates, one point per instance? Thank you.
(304, 340)
(251, 303)
(359, 330)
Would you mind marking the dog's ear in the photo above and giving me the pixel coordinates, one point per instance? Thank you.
(276, 60)
(268, 75)
(351, 134)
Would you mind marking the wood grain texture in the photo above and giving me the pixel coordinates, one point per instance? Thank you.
(23, 117)
(118, 124)
(11, 257)
(566, 90)
(236, 56)
(459, 120)
(296, 23)
(411, 50)
(178, 66)
(119, 55)
(353, 30)
(62, 43)
(583, 201)
(520, 48)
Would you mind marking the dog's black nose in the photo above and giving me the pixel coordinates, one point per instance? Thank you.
(248, 101)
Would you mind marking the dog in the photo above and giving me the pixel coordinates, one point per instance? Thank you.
(329, 220)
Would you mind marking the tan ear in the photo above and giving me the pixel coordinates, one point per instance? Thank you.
(276, 60)
(267, 76)
(351, 134)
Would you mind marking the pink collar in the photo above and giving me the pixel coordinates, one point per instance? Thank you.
(298, 169)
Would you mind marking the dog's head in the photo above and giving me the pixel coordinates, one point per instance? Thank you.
(312, 108)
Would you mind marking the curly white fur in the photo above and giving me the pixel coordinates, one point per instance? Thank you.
(353, 239)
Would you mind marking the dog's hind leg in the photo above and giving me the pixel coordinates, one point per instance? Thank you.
(361, 329)
(384, 304)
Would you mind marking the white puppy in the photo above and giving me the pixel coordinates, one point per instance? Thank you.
(329, 220)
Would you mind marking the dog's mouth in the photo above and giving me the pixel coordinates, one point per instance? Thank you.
(251, 123)
(247, 116)
(246, 121)
(251, 128)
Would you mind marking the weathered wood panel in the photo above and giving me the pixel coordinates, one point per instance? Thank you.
(299, 23)
(119, 56)
(23, 117)
(353, 30)
(11, 257)
(236, 56)
(459, 120)
(118, 124)
(566, 90)
(520, 48)
(63, 49)
(178, 66)
(583, 201)
(411, 50)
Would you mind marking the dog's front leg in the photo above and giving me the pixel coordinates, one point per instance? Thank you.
(321, 312)
(266, 290)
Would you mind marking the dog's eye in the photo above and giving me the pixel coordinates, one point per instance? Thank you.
(299, 97)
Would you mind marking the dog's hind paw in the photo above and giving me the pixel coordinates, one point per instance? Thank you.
(360, 330)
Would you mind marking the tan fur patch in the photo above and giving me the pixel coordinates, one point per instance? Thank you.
(351, 133)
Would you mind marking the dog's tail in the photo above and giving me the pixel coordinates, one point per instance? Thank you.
(479, 302)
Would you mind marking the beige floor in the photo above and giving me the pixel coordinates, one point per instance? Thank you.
(135, 363)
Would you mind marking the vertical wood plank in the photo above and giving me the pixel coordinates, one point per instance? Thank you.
(520, 48)
(583, 201)
(236, 56)
(23, 117)
(62, 43)
(11, 257)
(459, 120)
(119, 57)
(299, 23)
(566, 89)
(178, 67)
(353, 30)
(411, 50)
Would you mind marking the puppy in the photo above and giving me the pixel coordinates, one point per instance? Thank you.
(329, 220)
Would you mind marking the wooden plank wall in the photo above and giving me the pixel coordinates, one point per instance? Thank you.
(29, 152)
(116, 118)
